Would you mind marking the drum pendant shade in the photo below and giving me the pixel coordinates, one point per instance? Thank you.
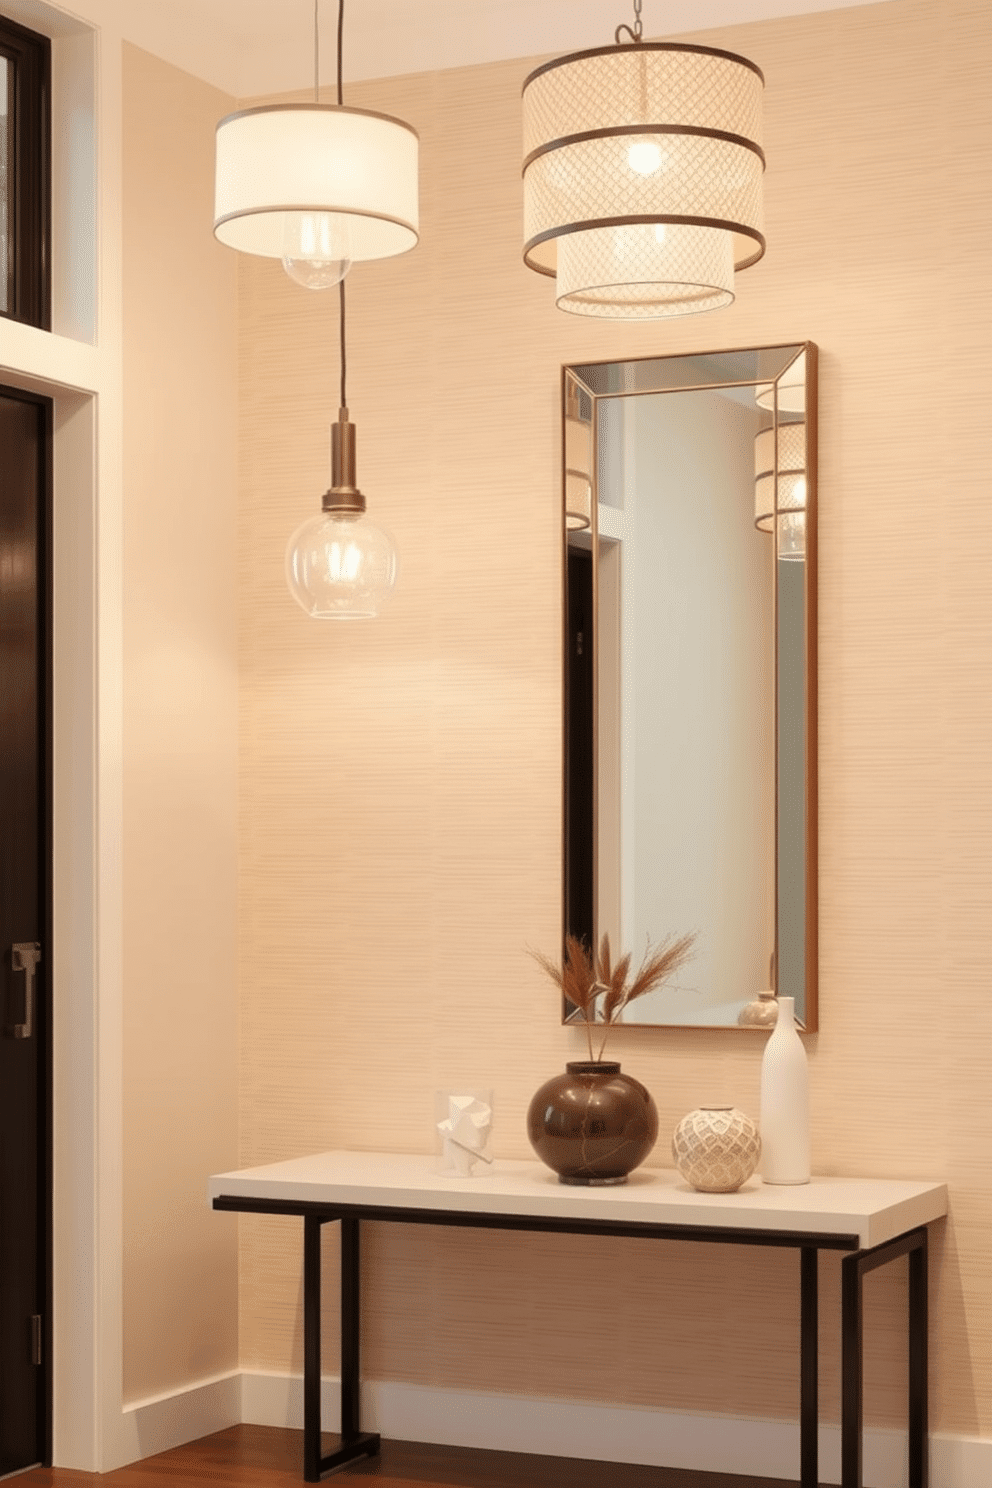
(642, 177)
(317, 158)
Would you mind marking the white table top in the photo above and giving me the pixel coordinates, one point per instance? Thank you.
(875, 1209)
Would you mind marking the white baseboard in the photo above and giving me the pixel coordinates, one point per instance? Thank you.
(606, 1433)
(563, 1428)
(172, 1420)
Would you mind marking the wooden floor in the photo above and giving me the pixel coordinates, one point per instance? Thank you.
(271, 1457)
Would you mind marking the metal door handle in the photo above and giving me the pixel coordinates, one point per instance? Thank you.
(24, 956)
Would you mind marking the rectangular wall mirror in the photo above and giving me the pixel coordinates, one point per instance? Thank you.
(690, 672)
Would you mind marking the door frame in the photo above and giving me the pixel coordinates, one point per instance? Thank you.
(79, 365)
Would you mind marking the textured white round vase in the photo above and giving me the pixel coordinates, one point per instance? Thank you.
(785, 1102)
(716, 1148)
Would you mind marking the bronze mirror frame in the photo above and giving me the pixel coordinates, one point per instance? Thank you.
(586, 389)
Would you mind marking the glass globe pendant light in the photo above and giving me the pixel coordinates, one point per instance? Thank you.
(319, 186)
(642, 176)
(340, 565)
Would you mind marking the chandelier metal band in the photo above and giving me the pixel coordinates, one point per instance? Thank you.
(645, 219)
(629, 130)
(638, 49)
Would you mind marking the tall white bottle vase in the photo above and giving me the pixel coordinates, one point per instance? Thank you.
(785, 1102)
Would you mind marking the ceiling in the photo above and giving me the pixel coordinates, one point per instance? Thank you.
(250, 47)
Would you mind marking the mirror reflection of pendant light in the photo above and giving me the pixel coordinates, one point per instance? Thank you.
(788, 472)
(319, 186)
(340, 565)
(578, 463)
(791, 389)
(643, 176)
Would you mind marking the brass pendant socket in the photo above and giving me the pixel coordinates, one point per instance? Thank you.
(344, 496)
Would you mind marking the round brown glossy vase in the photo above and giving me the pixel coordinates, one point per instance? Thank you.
(592, 1124)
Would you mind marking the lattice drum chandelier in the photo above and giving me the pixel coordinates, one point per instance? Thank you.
(642, 176)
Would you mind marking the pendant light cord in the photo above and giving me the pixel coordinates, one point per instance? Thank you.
(344, 355)
(340, 53)
(341, 27)
(340, 83)
(316, 99)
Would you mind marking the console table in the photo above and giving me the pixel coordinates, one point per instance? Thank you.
(873, 1220)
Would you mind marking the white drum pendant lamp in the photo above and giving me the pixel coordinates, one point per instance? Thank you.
(316, 169)
(642, 175)
(319, 186)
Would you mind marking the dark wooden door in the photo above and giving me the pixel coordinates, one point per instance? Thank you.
(25, 938)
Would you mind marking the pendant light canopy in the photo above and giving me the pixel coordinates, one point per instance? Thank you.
(319, 186)
(643, 175)
(782, 470)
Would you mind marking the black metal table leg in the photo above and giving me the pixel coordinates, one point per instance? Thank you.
(915, 1245)
(311, 1348)
(809, 1341)
(919, 1454)
(350, 1329)
(851, 1372)
(354, 1442)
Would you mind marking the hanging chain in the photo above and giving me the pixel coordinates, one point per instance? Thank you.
(635, 33)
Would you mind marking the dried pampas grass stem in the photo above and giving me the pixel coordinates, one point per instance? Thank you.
(583, 978)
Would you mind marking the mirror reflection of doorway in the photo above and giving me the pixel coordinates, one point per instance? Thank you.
(25, 931)
(579, 843)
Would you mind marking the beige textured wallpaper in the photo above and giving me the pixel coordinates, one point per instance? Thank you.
(400, 782)
(180, 737)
